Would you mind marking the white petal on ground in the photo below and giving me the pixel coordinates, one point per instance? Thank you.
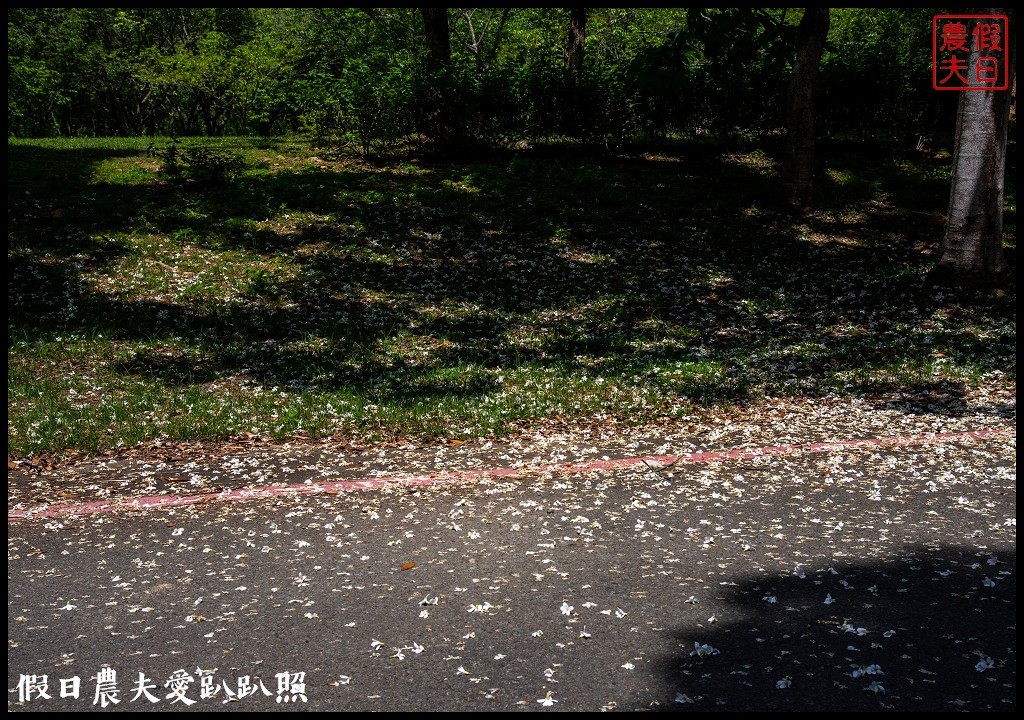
(547, 700)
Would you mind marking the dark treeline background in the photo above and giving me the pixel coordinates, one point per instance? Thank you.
(368, 78)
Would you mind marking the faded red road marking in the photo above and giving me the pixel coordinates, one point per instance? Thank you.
(456, 476)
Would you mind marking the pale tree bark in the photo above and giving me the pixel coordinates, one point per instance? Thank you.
(972, 244)
(577, 41)
(476, 39)
(798, 168)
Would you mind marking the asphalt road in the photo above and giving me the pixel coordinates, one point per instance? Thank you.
(863, 578)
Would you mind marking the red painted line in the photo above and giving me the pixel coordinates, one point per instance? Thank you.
(457, 476)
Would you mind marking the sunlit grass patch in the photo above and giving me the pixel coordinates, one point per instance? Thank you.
(304, 296)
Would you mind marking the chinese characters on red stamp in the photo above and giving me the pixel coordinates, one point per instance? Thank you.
(970, 52)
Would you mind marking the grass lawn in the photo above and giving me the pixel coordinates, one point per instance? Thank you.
(259, 288)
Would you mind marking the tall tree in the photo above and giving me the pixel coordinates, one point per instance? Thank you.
(972, 244)
(439, 56)
(577, 41)
(798, 169)
(439, 46)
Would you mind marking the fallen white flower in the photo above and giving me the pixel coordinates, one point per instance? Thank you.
(701, 650)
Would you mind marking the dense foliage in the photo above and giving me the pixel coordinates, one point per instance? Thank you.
(358, 76)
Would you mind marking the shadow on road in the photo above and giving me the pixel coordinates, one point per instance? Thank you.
(932, 628)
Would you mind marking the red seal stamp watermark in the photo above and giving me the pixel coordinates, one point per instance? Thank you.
(970, 52)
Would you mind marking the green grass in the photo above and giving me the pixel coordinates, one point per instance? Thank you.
(264, 289)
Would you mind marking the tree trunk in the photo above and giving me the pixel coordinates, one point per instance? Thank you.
(972, 245)
(439, 48)
(798, 169)
(439, 55)
(577, 39)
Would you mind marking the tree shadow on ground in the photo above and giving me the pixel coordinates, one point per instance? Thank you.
(411, 272)
(939, 622)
